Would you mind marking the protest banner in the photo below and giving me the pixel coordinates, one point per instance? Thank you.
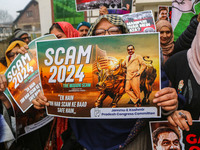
(126, 8)
(86, 77)
(164, 135)
(140, 21)
(23, 80)
(84, 5)
(23, 85)
(182, 12)
(23, 77)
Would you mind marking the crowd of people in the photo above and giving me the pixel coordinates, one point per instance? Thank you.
(178, 97)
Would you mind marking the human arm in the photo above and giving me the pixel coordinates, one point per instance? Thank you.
(5, 100)
(41, 101)
(181, 118)
(3, 85)
(3, 82)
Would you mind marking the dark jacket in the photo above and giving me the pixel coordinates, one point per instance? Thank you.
(179, 73)
(185, 39)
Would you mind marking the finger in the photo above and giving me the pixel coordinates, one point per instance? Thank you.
(171, 121)
(38, 107)
(3, 82)
(22, 50)
(165, 91)
(182, 120)
(177, 121)
(185, 125)
(26, 47)
(41, 96)
(165, 97)
(170, 102)
(42, 102)
(189, 117)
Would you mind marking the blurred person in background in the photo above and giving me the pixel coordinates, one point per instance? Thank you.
(103, 10)
(83, 28)
(166, 38)
(19, 33)
(163, 13)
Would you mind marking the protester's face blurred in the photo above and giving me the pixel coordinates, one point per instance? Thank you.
(103, 10)
(25, 38)
(127, 6)
(131, 50)
(83, 30)
(163, 15)
(103, 25)
(13, 53)
(165, 35)
(168, 141)
(59, 34)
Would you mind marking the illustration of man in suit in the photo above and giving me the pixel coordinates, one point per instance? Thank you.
(135, 66)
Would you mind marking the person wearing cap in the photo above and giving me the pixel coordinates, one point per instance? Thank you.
(19, 33)
(83, 28)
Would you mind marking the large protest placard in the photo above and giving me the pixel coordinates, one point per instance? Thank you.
(140, 21)
(164, 135)
(23, 86)
(23, 80)
(23, 77)
(84, 5)
(86, 77)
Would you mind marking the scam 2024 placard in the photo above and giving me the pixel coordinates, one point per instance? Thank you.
(87, 77)
(23, 80)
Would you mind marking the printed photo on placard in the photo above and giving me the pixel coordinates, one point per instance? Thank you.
(84, 5)
(166, 136)
(87, 77)
(126, 8)
(164, 13)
